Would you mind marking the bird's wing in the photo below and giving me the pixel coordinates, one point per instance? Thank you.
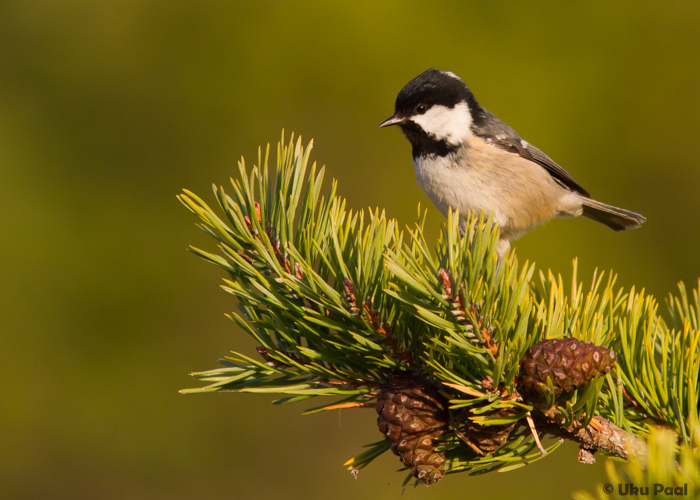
(530, 152)
(499, 134)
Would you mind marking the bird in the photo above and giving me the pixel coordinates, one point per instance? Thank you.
(466, 159)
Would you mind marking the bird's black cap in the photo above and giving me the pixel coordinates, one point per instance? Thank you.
(434, 87)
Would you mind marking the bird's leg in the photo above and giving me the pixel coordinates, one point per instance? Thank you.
(503, 247)
(462, 227)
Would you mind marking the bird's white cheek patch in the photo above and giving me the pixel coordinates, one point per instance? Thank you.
(447, 124)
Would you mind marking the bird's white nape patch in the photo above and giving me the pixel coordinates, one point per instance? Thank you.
(452, 125)
(451, 75)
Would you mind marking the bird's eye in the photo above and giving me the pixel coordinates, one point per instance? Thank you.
(421, 108)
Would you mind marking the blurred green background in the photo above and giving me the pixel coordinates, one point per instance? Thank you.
(109, 109)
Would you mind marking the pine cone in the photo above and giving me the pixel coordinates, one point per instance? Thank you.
(488, 438)
(411, 416)
(569, 363)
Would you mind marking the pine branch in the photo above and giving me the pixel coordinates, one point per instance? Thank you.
(599, 434)
(454, 349)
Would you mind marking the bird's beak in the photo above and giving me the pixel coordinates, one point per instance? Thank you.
(392, 120)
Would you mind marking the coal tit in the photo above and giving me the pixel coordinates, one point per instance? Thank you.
(466, 158)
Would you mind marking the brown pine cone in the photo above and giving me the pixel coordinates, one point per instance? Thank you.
(488, 438)
(412, 415)
(569, 363)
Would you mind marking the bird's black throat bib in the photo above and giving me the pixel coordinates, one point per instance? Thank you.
(425, 145)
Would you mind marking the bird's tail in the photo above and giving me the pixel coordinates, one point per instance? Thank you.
(617, 219)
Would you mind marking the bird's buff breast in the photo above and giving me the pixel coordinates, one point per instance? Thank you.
(520, 194)
(450, 186)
